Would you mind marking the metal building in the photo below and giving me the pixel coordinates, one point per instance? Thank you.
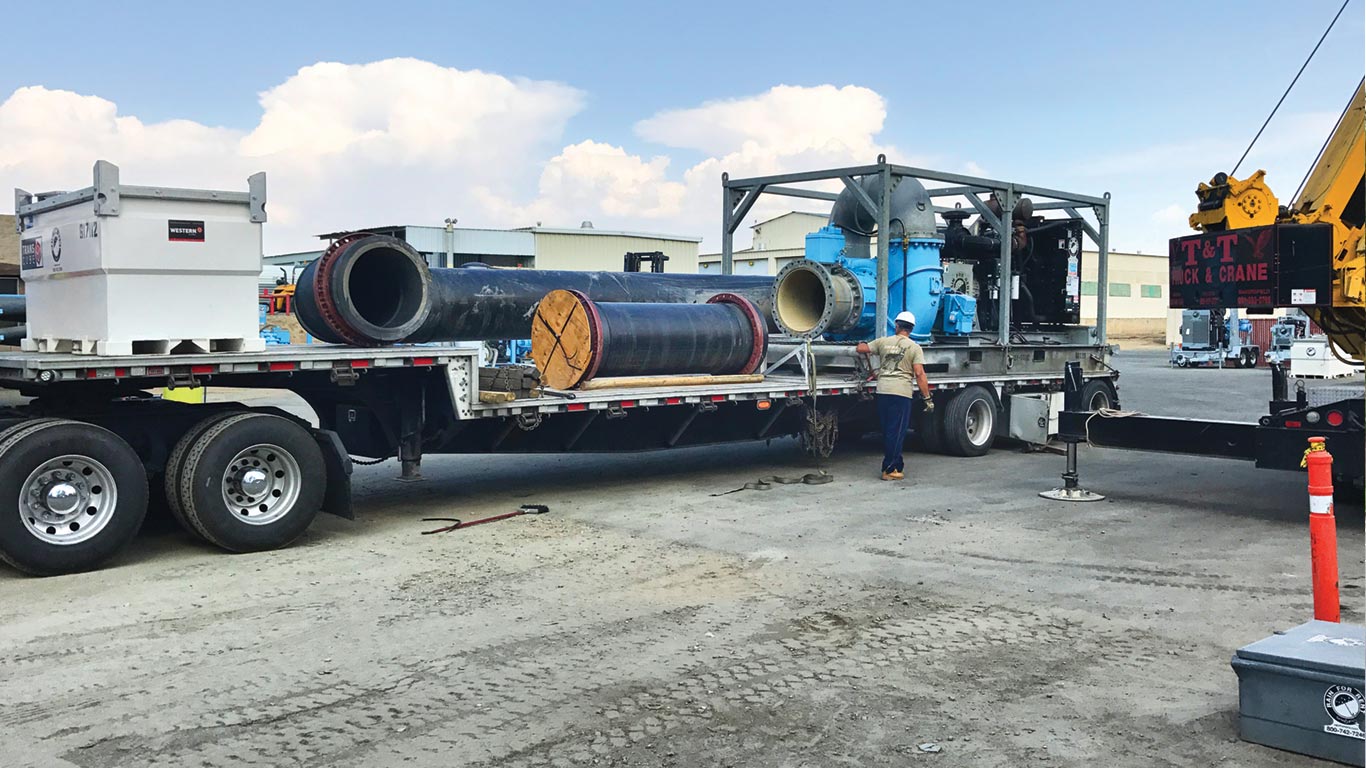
(582, 248)
(776, 241)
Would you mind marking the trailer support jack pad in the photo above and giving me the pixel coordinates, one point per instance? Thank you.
(1071, 489)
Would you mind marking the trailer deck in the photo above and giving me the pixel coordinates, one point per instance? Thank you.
(20, 369)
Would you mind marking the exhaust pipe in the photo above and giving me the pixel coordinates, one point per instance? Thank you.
(371, 290)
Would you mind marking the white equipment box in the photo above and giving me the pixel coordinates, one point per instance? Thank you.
(1312, 358)
(118, 270)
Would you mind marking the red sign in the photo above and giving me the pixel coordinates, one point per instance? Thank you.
(1224, 269)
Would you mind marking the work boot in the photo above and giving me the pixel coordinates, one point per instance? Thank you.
(897, 474)
(889, 476)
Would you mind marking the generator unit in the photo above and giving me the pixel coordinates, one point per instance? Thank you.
(115, 269)
(1050, 275)
(1045, 273)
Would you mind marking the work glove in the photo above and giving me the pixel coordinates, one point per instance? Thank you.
(929, 405)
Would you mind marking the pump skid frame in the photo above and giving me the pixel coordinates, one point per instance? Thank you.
(740, 195)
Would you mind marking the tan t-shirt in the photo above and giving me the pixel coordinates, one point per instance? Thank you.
(896, 357)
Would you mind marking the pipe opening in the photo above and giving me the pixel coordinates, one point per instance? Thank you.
(800, 300)
(384, 287)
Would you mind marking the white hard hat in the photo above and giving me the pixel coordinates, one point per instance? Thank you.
(906, 317)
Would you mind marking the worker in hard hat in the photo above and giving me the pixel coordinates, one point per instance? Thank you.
(900, 370)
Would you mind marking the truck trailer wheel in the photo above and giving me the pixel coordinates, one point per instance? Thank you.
(1098, 394)
(969, 426)
(175, 466)
(80, 495)
(252, 482)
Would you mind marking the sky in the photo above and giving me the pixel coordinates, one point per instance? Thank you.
(512, 113)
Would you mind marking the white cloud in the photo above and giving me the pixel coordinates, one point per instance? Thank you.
(344, 145)
(407, 111)
(1172, 214)
(785, 119)
(786, 128)
(591, 178)
(971, 168)
(52, 137)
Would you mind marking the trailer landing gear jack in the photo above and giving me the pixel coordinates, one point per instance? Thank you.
(1071, 489)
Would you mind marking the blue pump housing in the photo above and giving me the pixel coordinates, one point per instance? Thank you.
(826, 246)
(956, 312)
(915, 282)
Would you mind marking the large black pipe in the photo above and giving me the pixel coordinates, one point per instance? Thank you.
(574, 339)
(11, 336)
(725, 335)
(13, 306)
(371, 290)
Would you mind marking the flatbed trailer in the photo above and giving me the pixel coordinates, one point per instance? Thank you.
(247, 477)
(84, 456)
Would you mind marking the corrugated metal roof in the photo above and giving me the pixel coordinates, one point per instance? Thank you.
(608, 233)
(291, 258)
(480, 242)
(789, 213)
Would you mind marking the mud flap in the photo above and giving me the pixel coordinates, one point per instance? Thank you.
(337, 500)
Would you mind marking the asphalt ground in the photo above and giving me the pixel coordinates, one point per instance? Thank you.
(954, 619)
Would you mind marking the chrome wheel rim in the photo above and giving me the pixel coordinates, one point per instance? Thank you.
(1100, 399)
(68, 500)
(979, 420)
(261, 484)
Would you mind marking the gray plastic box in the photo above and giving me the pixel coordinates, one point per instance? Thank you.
(1302, 691)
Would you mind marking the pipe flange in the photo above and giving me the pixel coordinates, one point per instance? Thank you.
(851, 319)
(821, 273)
(406, 319)
(759, 349)
(322, 293)
(590, 311)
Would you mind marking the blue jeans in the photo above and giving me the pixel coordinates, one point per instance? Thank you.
(894, 412)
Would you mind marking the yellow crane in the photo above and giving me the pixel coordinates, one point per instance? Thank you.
(1333, 193)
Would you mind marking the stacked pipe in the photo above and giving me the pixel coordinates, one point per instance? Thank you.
(575, 339)
(372, 290)
(13, 308)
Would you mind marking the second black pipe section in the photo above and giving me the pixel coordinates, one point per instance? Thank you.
(723, 336)
(372, 290)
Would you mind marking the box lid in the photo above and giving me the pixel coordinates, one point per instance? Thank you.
(1318, 645)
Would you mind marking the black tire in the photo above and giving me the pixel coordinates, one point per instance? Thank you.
(1348, 492)
(1250, 358)
(969, 421)
(276, 442)
(25, 450)
(929, 426)
(1097, 394)
(1182, 361)
(175, 465)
